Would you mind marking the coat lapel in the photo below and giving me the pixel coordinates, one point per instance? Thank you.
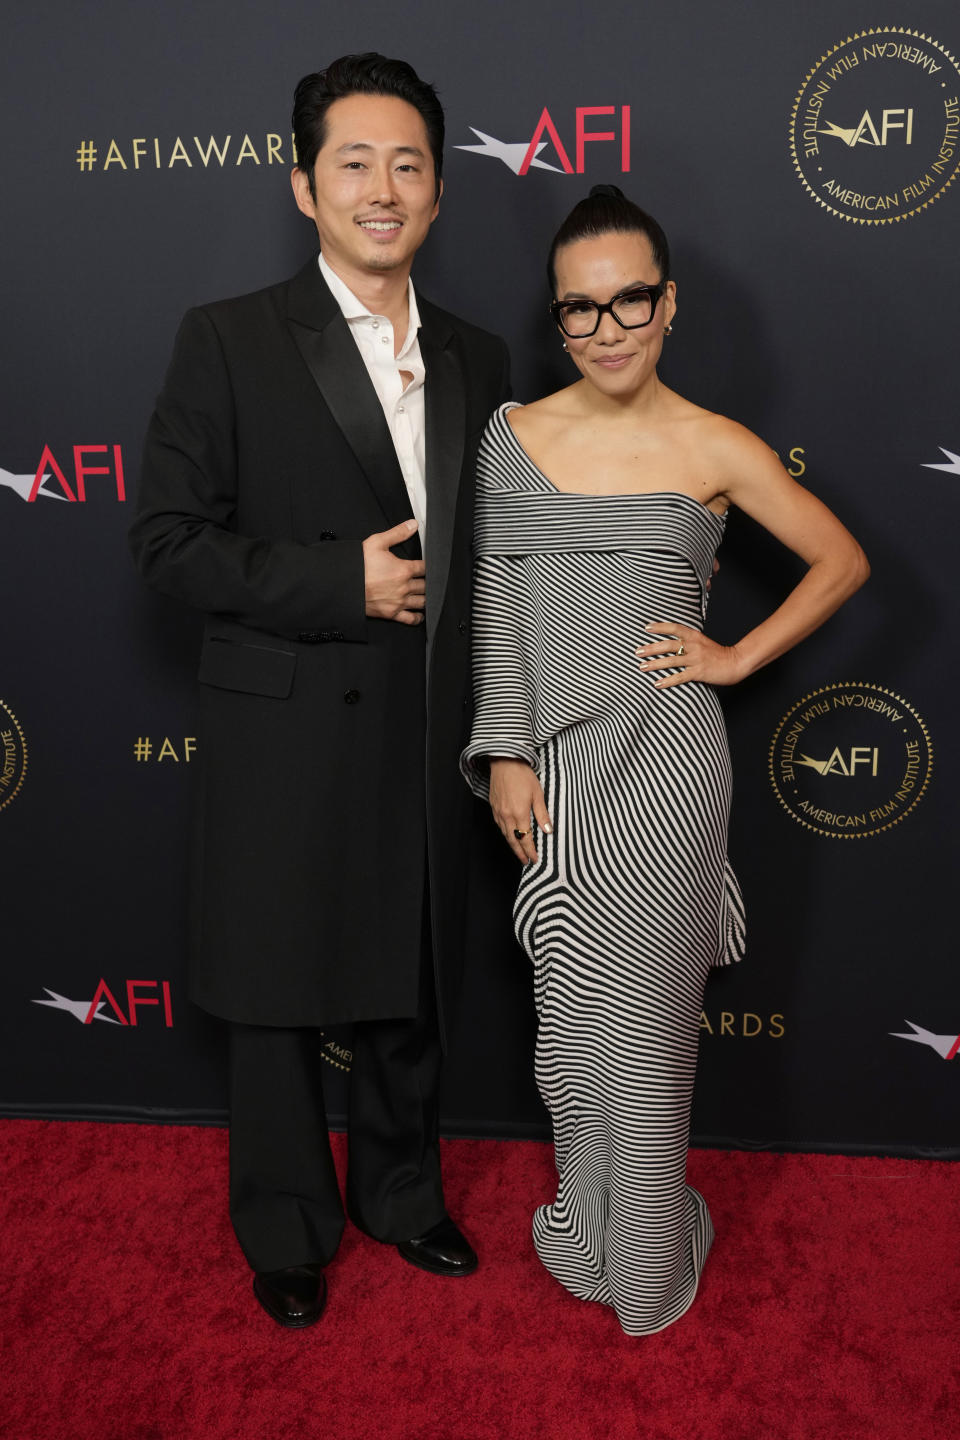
(445, 427)
(330, 353)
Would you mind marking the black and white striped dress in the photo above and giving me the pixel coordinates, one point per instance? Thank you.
(632, 898)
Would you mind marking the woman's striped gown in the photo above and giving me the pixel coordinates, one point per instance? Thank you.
(631, 899)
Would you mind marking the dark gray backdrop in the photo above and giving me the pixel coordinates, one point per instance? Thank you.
(835, 340)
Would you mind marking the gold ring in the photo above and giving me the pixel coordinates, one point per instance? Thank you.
(520, 834)
(681, 650)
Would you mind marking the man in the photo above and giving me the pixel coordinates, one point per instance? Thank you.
(307, 483)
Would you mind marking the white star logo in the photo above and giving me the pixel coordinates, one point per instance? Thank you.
(23, 484)
(946, 1046)
(78, 1008)
(953, 468)
(512, 155)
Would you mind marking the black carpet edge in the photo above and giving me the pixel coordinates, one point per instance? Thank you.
(482, 1130)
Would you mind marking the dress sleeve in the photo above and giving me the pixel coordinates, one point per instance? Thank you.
(502, 670)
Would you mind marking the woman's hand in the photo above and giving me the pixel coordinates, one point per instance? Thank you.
(515, 792)
(692, 654)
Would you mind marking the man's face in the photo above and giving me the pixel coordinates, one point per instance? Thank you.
(374, 188)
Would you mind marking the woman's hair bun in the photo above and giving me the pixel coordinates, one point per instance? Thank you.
(607, 211)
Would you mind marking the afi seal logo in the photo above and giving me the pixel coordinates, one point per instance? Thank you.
(875, 129)
(850, 760)
(13, 755)
(336, 1053)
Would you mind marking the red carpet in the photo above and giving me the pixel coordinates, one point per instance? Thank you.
(828, 1309)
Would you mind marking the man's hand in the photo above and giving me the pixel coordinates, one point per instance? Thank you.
(395, 589)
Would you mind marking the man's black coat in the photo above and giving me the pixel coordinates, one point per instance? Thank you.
(329, 742)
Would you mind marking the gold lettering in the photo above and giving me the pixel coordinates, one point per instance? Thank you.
(846, 62)
(247, 152)
(214, 147)
(114, 157)
(914, 192)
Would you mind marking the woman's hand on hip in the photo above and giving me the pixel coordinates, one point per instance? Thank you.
(691, 654)
(515, 795)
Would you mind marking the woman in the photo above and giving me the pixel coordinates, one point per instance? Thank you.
(599, 739)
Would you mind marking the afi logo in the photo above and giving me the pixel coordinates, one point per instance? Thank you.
(946, 1046)
(86, 1011)
(952, 464)
(520, 155)
(858, 757)
(28, 487)
(866, 132)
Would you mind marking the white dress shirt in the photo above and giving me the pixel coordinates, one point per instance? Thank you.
(403, 408)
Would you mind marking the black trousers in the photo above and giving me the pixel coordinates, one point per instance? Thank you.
(284, 1200)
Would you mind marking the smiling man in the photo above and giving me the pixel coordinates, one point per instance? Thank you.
(307, 483)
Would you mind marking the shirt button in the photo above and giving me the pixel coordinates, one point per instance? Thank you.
(385, 340)
(351, 697)
(400, 410)
(376, 325)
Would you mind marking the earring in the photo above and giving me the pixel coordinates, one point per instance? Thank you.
(564, 344)
(668, 329)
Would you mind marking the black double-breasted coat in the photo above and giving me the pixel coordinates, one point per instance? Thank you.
(329, 742)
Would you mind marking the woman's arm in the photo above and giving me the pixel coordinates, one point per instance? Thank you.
(754, 480)
(499, 762)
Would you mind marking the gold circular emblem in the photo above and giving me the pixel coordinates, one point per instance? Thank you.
(875, 129)
(850, 760)
(13, 755)
(335, 1051)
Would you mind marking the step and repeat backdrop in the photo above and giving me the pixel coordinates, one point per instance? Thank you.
(803, 160)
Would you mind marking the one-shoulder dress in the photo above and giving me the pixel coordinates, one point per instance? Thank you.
(632, 898)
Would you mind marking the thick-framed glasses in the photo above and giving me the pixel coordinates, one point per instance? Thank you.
(632, 309)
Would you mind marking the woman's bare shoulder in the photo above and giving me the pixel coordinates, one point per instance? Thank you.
(553, 409)
(715, 433)
(729, 440)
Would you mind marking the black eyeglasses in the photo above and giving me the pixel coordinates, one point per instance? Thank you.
(632, 309)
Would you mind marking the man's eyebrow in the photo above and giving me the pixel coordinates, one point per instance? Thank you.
(365, 145)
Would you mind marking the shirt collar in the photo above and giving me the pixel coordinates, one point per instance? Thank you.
(354, 309)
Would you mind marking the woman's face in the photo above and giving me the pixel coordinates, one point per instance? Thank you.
(617, 361)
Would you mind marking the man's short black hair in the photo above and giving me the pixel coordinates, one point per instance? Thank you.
(366, 74)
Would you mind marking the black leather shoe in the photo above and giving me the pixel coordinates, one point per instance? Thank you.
(294, 1297)
(443, 1250)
